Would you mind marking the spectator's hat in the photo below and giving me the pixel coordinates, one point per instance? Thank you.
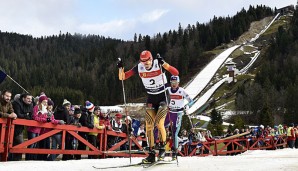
(42, 98)
(89, 106)
(118, 115)
(50, 102)
(66, 102)
(16, 97)
(77, 111)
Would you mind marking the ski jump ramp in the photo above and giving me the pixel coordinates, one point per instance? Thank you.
(204, 77)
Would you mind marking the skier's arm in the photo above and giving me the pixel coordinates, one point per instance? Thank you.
(125, 75)
(170, 68)
(189, 99)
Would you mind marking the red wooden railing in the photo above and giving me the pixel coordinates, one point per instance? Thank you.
(216, 147)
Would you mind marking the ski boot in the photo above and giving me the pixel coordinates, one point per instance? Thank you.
(162, 152)
(174, 154)
(150, 158)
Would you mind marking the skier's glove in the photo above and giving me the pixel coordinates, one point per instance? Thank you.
(120, 63)
(160, 59)
(186, 107)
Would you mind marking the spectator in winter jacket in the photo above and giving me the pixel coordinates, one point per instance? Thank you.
(40, 115)
(6, 109)
(66, 104)
(46, 143)
(73, 145)
(23, 108)
(61, 113)
(230, 146)
(126, 127)
(281, 130)
(291, 136)
(183, 140)
(142, 134)
(92, 136)
(87, 120)
(116, 125)
(105, 120)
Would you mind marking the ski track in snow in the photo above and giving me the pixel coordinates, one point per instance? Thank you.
(254, 160)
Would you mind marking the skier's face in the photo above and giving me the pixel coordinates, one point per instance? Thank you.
(174, 84)
(147, 63)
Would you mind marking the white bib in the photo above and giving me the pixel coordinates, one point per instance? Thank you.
(152, 79)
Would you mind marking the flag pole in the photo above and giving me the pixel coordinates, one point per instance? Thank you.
(2, 70)
(17, 83)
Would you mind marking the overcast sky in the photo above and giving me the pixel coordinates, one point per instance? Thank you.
(115, 18)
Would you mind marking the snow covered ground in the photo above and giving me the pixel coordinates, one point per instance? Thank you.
(256, 160)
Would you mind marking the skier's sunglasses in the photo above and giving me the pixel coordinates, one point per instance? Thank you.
(145, 61)
(174, 82)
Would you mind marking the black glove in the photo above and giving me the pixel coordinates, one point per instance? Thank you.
(48, 119)
(160, 59)
(28, 116)
(120, 63)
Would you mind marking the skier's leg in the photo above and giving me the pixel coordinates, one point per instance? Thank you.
(176, 126)
(159, 121)
(149, 118)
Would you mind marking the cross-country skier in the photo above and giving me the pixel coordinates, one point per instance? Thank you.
(176, 106)
(154, 81)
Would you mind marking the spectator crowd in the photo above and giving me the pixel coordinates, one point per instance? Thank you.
(42, 109)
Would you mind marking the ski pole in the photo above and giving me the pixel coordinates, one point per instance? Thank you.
(163, 80)
(125, 108)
